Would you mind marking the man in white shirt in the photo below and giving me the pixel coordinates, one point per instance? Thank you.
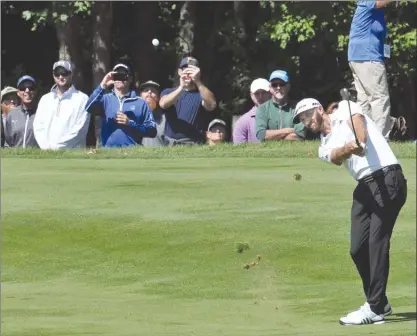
(61, 120)
(377, 200)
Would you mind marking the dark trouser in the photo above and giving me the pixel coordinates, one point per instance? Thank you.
(377, 201)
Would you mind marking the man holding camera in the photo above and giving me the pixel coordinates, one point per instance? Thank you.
(126, 118)
(186, 121)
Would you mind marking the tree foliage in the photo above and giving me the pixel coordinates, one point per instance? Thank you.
(235, 43)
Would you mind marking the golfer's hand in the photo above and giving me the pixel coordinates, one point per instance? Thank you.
(122, 118)
(354, 149)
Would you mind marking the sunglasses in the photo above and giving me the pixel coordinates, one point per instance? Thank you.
(276, 84)
(29, 87)
(61, 73)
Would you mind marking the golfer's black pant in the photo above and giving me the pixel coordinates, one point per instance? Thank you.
(377, 201)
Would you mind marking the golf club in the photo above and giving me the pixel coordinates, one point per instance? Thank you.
(344, 93)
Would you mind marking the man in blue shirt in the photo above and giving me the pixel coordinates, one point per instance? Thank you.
(185, 106)
(366, 60)
(127, 118)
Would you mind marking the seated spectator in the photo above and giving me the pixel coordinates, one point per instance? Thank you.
(216, 132)
(185, 106)
(274, 118)
(126, 118)
(244, 130)
(18, 124)
(61, 120)
(150, 92)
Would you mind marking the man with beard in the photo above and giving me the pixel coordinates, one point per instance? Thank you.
(244, 130)
(18, 124)
(185, 107)
(377, 200)
(61, 120)
(126, 118)
(150, 92)
(274, 119)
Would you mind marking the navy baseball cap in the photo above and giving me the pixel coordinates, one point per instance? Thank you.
(187, 61)
(26, 78)
(279, 74)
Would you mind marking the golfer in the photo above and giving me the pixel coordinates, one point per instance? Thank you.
(377, 200)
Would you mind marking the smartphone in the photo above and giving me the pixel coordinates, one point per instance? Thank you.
(118, 76)
(192, 61)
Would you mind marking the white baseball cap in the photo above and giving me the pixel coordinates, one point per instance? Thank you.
(304, 105)
(62, 63)
(259, 84)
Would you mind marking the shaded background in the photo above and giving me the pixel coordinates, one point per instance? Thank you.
(235, 43)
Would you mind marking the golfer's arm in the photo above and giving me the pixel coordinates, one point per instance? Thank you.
(338, 155)
(382, 3)
(170, 99)
(360, 127)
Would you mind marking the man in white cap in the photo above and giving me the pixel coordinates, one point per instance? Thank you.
(61, 120)
(377, 200)
(244, 130)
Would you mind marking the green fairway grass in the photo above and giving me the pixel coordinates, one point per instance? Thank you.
(144, 242)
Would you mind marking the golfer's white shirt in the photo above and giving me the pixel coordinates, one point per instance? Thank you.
(378, 153)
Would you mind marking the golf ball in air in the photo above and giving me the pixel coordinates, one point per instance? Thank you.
(155, 42)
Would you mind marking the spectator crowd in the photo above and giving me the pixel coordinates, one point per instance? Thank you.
(150, 117)
(183, 115)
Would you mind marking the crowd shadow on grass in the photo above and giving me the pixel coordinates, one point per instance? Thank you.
(401, 317)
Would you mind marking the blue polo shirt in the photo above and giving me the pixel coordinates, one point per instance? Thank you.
(367, 33)
(187, 117)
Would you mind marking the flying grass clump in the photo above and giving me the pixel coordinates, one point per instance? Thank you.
(253, 263)
(241, 247)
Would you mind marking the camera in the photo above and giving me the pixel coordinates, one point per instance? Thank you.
(119, 76)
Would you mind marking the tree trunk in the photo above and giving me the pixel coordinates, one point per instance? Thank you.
(145, 55)
(186, 24)
(70, 48)
(240, 58)
(101, 31)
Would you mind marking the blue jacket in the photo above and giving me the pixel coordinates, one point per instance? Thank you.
(141, 123)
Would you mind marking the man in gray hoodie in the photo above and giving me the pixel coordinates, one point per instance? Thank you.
(18, 125)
